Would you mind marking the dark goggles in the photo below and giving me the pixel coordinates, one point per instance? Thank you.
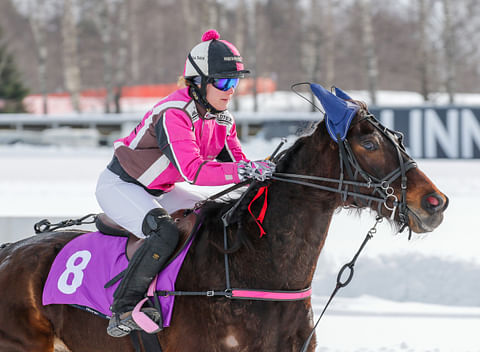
(225, 83)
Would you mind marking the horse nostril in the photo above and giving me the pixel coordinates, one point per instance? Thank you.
(433, 203)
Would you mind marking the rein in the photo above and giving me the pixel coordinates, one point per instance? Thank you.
(240, 293)
(382, 186)
(382, 193)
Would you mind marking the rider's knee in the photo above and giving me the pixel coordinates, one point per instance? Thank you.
(159, 223)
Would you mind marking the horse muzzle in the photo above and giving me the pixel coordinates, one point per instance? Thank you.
(429, 214)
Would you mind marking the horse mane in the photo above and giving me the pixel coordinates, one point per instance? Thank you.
(212, 211)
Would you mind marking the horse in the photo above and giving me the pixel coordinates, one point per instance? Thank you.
(369, 169)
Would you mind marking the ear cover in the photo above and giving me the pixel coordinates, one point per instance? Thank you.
(341, 94)
(338, 112)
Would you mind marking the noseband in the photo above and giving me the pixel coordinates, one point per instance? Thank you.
(382, 191)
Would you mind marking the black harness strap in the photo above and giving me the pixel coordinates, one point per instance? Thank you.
(117, 277)
(135, 341)
(344, 157)
(149, 341)
(46, 226)
(381, 189)
(342, 282)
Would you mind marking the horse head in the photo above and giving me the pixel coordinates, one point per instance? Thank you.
(365, 164)
(412, 199)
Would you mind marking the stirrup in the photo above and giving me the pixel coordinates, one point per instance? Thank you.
(150, 321)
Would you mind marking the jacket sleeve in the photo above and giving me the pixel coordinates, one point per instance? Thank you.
(232, 145)
(177, 141)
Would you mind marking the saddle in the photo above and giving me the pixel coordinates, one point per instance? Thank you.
(184, 220)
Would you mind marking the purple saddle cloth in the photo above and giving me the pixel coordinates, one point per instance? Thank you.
(82, 268)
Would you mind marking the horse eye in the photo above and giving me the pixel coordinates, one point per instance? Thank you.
(369, 145)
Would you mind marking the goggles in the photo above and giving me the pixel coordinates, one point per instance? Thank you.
(225, 83)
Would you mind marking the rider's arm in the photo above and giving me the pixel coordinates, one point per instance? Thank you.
(177, 141)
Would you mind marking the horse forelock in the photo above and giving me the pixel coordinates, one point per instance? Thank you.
(363, 107)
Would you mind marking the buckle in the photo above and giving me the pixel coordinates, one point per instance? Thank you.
(210, 293)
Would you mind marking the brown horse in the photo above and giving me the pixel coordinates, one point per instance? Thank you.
(376, 172)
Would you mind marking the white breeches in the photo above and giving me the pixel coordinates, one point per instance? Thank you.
(127, 203)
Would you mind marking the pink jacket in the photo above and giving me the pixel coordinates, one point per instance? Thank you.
(173, 143)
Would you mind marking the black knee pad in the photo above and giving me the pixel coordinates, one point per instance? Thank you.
(160, 228)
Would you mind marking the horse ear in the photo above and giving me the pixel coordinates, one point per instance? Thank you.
(341, 94)
(338, 112)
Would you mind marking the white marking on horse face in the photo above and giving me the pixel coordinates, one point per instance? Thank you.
(231, 341)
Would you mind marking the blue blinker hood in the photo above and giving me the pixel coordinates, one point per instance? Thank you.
(339, 112)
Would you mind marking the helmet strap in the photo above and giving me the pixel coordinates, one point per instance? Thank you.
(200, 94)
(196, 94)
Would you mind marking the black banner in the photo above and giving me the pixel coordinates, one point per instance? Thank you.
(440, 132)
(430, 132)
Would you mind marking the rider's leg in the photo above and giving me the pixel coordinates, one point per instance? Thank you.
(126, 204)
(145, 264)
(185, 196)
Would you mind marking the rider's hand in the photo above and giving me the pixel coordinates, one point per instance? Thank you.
(257, 170)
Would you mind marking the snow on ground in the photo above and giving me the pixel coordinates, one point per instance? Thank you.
(367, 324)
(419, 295)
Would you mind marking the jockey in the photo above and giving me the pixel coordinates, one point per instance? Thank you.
(188, 136)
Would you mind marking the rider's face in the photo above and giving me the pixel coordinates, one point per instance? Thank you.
(219, 99)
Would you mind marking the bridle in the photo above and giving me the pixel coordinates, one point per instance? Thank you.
(381, 190)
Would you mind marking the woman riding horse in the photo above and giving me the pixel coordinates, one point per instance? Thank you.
(352, 161)
(176, 141)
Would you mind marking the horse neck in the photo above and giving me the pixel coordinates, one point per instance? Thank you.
(296, 221)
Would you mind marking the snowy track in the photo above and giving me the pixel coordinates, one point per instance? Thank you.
(421, 295)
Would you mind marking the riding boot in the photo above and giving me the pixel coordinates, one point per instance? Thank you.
(148, 260)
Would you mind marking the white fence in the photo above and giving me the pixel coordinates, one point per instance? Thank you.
(14, 228)
(431, 132)
(23, 124)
